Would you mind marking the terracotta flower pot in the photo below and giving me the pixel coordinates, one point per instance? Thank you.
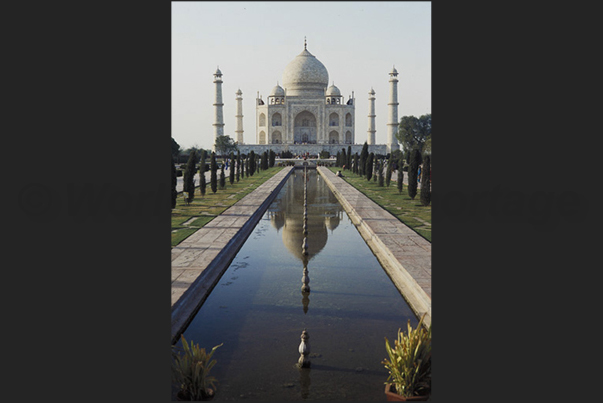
(394, 397)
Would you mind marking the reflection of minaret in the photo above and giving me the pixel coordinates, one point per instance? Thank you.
(219, 117)
(392, 125)
(239, 116)
(371, 126)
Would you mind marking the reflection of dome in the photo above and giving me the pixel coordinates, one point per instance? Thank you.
(333, 91)
(332, 221)
(293, 236)
(277, 220)
(305, 75)
(277, 91)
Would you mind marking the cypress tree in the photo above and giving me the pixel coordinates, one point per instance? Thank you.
(349, 161)
(344, 158)
(356, 158)
(400, 174)
(413, 167)
(174, 183)
(380, 171)
(272, 158)
(375, 168)
(251, 163)
(213, 167)
(202, 180)
(231, 173)
(364, 154)
(222, 178)
(426, 181)
(388, 173)
(247, 166)
(264, 160)
(338, 159)
(369, 166)
(189, 176)
(238, 165)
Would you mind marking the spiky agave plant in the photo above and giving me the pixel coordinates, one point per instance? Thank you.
(191, 371)
(409, 361)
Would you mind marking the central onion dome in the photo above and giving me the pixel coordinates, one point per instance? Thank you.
(305, 76)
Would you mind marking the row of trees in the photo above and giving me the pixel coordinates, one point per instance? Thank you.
(241, 166)
(372, 167)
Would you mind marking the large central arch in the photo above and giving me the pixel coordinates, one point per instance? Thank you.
(304, 130)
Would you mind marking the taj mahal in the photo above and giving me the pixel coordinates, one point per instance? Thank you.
(306, 115)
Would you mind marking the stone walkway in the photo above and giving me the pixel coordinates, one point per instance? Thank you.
(405, 255)
(199, 261)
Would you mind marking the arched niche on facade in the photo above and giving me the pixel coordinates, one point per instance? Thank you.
(262, 119)
(277, 120)
(348, 137)
(333, 119)
(304, 128)
(348, 119)
(262, 137)
(277, 137)
(333, 137)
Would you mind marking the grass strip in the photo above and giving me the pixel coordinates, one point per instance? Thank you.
(204, 208)
(411, 212)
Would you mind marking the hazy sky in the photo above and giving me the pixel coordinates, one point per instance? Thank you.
(252, 42)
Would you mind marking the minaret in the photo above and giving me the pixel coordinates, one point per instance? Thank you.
(392, 126)
(219, 116)
(239, 116)
(371, 122)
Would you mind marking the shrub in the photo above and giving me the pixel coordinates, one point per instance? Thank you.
(413, 168)
(231, 172)
(388, 173)
(369, 166)
(190, 371)
(409, 362)
(222, 178)
(426, 181)
(400, 175)
(272, 156)
(189, 177)
(251, 163)
(214, 173)
(174, 183)
(202, 170)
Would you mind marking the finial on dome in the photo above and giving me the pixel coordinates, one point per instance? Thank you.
(305, 43)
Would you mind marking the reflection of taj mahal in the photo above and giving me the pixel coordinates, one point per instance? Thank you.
(307, 115)
(324, 214)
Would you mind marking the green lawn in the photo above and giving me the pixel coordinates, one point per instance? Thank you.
(203, 209)
(410, 212)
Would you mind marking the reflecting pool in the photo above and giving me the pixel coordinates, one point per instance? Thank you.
(258, 309)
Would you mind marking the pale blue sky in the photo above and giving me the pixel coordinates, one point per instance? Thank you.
(252, 42)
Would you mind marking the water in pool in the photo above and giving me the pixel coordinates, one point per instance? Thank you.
(258, 310)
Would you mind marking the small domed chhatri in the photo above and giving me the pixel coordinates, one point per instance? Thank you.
(277, 91)
(333, 91)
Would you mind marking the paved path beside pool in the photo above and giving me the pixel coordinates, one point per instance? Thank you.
(404, 254)
(199, 261)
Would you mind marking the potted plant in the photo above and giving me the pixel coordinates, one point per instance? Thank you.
(190, 371)
(409, 364)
